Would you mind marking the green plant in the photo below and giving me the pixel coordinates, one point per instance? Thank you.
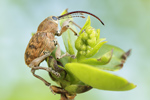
(87, 70)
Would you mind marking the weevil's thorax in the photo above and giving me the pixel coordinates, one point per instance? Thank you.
(50, 24)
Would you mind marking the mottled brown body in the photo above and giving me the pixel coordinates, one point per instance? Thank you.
(40, 42)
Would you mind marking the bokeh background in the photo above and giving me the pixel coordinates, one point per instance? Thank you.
(127, 25)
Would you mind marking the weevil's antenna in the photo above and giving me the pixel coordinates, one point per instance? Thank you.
(81, 12)
(67, 16)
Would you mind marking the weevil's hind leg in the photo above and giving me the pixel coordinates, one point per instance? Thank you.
(66, 26)
(58, 53)
(46, 83)
(35, 66)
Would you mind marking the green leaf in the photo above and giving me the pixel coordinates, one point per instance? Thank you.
(117, 60)
(77, 88)
(95, 49)
(71, 51)
(87, 23)
(69, 35)
(62, 20)
(101, 61)
(98, 78)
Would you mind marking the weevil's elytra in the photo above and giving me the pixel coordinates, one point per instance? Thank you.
(39, 43)
(43, 43)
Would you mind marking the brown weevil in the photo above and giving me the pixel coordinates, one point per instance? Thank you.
(43, 43)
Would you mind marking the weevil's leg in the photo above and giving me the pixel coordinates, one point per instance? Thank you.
(35, 66)
(75, 24)
(47, 69)
(58, 53)
(38, 60)
(66, 26)
(46, 83)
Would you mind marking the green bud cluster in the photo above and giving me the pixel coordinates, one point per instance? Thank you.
(87, 40)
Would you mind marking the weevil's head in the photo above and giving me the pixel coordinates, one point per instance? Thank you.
(50, 24)
(53, 19)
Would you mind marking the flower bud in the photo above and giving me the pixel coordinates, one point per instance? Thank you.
(87, 40)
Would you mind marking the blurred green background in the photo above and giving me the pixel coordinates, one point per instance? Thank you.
(127, 25)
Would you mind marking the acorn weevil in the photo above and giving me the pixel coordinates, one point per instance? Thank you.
(43, 42)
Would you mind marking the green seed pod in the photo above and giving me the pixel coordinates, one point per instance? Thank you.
(92, 35)
(78, 44)
(88, 51)
(82, 53)
(83, 47)
(84, 36)
(89, 30)
(88, 47)
(91, 42)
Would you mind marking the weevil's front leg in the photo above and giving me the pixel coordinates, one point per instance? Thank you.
(58, 53)
(35, 66)
(66, 26)
(70, 21)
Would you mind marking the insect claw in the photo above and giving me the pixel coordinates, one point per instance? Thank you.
(52, 90)
(54, 72)
(73, 56)
(77, 35)
(47, 84)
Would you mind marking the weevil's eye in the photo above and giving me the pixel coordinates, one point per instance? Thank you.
(54, 18)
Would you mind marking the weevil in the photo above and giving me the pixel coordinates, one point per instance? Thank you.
(43, 43)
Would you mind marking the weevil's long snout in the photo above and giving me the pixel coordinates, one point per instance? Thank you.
(73, 12)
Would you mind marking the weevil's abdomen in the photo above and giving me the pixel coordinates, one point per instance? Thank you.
(38, 44)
